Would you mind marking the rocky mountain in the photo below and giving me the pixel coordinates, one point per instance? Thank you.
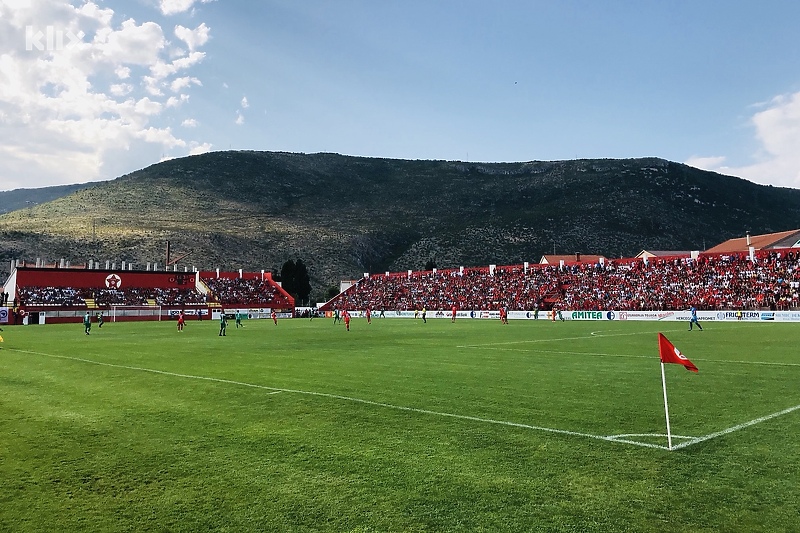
(344, 216)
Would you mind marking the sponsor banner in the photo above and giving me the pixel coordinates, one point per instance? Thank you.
(648, 315)
(739, 315)
(789, 316)
(447, 314)
(712, 316)
(528, 315)
(4, 315)
(590, 315)
(599, 316)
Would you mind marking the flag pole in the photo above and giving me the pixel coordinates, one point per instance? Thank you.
(666, 407)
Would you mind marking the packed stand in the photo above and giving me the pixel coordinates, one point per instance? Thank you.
(178, 296)
(473, 289)
(72, 297)
(52, 296)
(711, 283)
(247, 292)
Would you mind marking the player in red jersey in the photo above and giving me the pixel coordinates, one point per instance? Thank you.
(274, 317)
(453, 318)
(346, 320)
(503, 315)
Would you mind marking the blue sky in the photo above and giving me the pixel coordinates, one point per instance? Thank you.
(715, 84)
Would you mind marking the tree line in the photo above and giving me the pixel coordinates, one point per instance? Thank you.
(295, 280)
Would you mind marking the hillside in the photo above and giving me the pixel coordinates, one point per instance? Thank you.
(347, 215)
(22, 198)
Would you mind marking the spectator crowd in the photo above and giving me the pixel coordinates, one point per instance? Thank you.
(133, 296)
(246, 292)
(226, 291)
(771, 281)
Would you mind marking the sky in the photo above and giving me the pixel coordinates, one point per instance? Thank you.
(93, 90)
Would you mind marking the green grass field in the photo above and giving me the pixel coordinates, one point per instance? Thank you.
(398, 426)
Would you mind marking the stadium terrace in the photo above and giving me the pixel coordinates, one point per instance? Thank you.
(764, 280)
(51, 294)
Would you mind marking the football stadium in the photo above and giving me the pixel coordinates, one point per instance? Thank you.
(432, 266)
(550, 396)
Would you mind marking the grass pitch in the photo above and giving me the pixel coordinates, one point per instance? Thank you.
(398, 426)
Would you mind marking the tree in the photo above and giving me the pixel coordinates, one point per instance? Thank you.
(295, 280)
(287, 277)
(302, 281)
(332, 292)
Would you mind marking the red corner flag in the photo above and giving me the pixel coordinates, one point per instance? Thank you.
(670, 354)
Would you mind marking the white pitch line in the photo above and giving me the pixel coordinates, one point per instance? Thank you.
(154, 371)
(769, 363)
(584, 337)
(629, 356)
(736, 428)
(608, 438)
(275, 390)
(593, 354)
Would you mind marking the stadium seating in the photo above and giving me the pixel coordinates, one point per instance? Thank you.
(247, 292)
(708, 282)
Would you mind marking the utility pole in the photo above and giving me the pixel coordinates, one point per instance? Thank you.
(94, 239)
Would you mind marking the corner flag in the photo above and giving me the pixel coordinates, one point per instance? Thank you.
(670, 354)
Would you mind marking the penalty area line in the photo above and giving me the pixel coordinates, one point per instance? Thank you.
(275, 390)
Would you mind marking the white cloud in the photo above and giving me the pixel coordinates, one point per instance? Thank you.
(120, 89)
(18, 4)
(706, 163)
(245, 105)
(181, 83)
(193, 38)
(162, 136)
(189, 123)
(145, 106)
(239, 118)
(197, 148)
(92, 10)
(173, 101)
(131, 44)
(161, 70)
(94, 109)
(777, 129)
(173, 7)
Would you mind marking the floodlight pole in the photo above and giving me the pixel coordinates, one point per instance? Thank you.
(666, 407)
